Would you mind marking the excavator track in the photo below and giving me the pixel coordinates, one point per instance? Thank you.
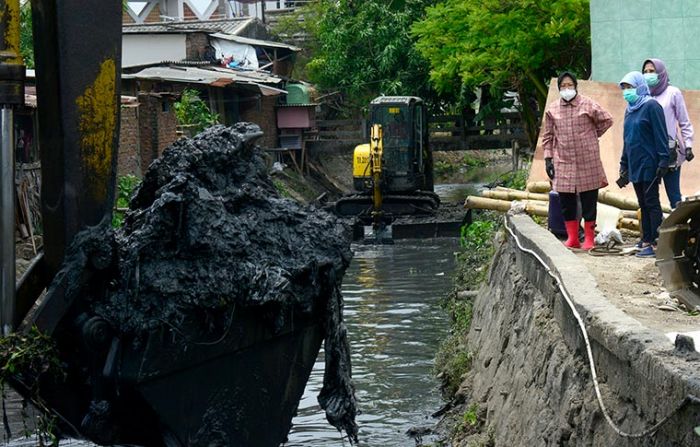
(418, 203)
(678, 253)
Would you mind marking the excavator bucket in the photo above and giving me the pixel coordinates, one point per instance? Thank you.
(678, 253)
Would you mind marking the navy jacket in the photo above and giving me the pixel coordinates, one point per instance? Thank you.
(645, 142)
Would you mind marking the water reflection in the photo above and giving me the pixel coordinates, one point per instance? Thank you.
(395, 325)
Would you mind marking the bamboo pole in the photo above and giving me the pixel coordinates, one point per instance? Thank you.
(628, 224)
(484, 203)
(515, 195)
(622, 202)
(541, 186)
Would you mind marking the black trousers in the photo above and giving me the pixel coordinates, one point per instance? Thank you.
(589, 204)
(648, 197)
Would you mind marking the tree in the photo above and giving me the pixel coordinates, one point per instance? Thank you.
(26, 44)
(364, 48)
(505, 44)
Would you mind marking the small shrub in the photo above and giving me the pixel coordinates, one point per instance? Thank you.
(516, 179)
(192, 112)
(473, 162)
(471, 416)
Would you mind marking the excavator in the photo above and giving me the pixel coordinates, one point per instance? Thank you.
(393, 173)
(156, 390)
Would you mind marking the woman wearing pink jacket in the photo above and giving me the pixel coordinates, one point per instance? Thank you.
(572, 127)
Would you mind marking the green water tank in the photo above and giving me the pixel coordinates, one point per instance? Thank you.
(297, 94)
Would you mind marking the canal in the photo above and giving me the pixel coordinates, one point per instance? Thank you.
(395, 324)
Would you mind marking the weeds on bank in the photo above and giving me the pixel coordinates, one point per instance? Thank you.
(453, 360)
(28, 358)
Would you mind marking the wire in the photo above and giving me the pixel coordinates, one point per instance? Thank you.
(688, 399)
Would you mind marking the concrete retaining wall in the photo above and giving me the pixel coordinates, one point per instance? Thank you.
(530, 373)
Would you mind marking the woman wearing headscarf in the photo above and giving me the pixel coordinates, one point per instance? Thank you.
(645, 154)
(680, 131)
(573, 125)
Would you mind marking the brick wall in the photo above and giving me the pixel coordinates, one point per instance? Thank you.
(196, 46)
(157, 126)
(262, 113)
(154, 15)
(129, 156)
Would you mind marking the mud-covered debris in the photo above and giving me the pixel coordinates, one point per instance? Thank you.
(207, 234)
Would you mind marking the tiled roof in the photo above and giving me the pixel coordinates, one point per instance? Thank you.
(228, 26)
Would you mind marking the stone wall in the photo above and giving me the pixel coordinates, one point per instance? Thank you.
(530, 379)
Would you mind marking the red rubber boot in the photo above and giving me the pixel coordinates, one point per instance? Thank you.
(589, 235)
(572, 232)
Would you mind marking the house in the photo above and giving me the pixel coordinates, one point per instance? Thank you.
(236, 69)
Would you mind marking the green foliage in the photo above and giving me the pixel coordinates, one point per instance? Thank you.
(28, 357)
(192, 112)
(125, 187)
(471, 416)
(453, 359)
(477, 234)
(474, 162)
(697, 430)
(364, 49)
(281, 188)
(516, 179)
(442, 168)
(26, 42)
(452, 362)
(505, 44)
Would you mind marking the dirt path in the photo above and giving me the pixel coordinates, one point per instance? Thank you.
(634, 285)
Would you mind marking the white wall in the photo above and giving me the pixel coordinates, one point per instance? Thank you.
(140, 49)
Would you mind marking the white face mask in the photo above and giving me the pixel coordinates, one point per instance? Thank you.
(567, 94)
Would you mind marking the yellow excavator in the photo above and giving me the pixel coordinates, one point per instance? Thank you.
(393, 173)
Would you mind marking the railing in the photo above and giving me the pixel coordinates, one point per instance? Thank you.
(447, 132)
(450, 132)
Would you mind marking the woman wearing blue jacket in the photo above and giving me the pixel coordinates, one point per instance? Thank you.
(645, 155)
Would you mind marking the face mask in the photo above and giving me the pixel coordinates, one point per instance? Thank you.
(630, 95)
(567, 94)
(651, 78)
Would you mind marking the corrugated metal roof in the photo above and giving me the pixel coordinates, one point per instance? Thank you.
(254, 42)
(395, 100)
(213, 76)
(228, 26)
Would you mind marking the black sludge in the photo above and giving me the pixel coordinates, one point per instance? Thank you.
(207, 243)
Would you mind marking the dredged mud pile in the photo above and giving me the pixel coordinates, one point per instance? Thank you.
(207, 234)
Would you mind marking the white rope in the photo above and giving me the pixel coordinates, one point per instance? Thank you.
(584, 332)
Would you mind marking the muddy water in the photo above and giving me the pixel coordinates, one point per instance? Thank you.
(395, 325)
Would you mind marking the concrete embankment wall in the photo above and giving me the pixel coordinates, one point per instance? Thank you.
(530, 370)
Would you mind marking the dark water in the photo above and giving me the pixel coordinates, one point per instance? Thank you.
(395, 325)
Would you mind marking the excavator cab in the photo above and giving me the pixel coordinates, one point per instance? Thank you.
(406, 178)
(407, 160)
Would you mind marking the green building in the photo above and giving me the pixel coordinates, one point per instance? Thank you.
(626, 32)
